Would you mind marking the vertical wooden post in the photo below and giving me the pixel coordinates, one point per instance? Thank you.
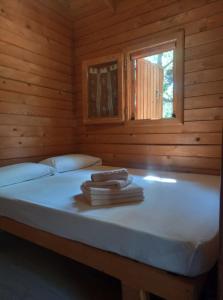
(129, 293)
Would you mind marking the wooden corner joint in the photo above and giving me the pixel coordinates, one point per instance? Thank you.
(111, 4)
(129, 293)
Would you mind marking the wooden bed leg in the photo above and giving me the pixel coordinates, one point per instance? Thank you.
(129, 293)
(192, 294)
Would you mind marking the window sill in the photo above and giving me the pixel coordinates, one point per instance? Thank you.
(154, 123)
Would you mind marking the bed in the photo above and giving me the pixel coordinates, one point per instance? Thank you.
(167, 242)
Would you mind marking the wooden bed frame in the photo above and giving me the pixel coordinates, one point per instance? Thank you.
(138, 280)
(220, 259)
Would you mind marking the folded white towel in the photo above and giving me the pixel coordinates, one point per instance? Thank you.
(106, 196)
(112, 197)
(128, 190)
(95, 201)
(111, 187)
(112, 184)
(119, 174)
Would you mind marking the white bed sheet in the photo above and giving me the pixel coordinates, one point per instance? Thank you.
(175, 228)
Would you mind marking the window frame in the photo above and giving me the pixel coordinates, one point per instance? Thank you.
(150, 45)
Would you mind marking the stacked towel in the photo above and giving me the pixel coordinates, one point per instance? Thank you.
(120, 174)
(111, 187)
(112, 184)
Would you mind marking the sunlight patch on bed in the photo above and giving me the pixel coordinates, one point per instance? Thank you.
(160, 179)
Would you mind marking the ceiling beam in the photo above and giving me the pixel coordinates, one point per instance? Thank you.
(111, 4)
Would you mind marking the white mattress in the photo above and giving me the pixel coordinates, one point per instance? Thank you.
(175, 228)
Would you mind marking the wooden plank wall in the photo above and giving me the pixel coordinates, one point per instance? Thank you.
(36, 97)
(194, 146)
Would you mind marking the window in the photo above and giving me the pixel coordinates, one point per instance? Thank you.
(103, 90)
(155, 79)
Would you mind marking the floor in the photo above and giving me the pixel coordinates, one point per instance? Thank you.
(28, 272)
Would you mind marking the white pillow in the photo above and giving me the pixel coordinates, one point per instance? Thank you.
(71, 162)
(23, 172)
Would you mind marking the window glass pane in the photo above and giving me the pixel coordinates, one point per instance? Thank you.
(153, 96)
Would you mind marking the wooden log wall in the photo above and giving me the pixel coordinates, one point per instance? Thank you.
(36, 96)
(193, 146)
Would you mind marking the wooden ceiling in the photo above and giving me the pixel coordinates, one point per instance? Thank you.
(78, 7)
(86, 8)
